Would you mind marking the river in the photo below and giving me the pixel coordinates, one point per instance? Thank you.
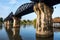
(25, 32)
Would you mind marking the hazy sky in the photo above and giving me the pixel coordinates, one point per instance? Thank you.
(6, 6)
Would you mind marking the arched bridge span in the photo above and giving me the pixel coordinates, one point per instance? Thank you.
(28, 7)
(24, 9)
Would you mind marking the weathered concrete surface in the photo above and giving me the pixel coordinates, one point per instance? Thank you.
(44, 19)
(7, 23)
(16, 22)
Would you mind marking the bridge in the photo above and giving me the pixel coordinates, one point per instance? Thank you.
(8, 19)
(43, 10)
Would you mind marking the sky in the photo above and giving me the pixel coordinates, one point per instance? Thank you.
(7, 6)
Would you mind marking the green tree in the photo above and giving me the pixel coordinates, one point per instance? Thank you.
(1, 20)
(34, 22)
(29, 22)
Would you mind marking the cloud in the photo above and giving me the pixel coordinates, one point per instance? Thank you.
(13, 1)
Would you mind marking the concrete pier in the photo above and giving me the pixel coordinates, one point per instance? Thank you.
(8, 24)
(44, 19)
(5, 23)
(16, 22)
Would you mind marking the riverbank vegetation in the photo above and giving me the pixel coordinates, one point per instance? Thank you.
(34, 22)
(28, 22)
(1, 20)
(25, 22)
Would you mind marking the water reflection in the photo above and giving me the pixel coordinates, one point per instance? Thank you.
(24, 25)
(28, 32)
(25, 32)
(0, 26)
(13, 33)
(49, 38)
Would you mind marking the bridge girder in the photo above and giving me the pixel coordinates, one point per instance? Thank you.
(28, 7)
(48, 2)
(9, 17)
(24, 9)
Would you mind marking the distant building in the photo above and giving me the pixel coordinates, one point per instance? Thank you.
(56, 22)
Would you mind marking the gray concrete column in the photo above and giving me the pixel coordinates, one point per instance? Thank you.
(16, 22)
(5, 23)
(8, 24)
(44, 19)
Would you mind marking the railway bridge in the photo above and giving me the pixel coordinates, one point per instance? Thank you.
(43, 9)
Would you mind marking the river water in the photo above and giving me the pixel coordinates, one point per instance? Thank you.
(25, 32)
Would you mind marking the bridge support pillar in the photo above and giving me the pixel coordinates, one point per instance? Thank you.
(16, 22)
(44, 20)
(7, 24)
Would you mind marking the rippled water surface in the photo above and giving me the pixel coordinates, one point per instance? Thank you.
(25, 32)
